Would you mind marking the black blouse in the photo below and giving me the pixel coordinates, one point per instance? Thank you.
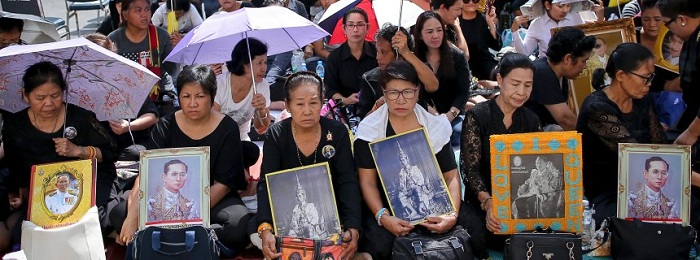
(280, 152)
(690, 79)
(344, 72)
(26, 146)
(452, 91)
(364, 160)
(479, 40)
(484, 120)
(603, 127)
(225, 158)
(546, 90)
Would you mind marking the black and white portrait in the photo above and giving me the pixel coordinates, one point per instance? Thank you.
(537, 185)
(303, 204)
(411, 177)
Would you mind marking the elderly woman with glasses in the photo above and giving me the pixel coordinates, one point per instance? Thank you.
(398, 115)
(619, 113)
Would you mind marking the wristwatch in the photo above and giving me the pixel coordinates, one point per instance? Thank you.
(454, 112)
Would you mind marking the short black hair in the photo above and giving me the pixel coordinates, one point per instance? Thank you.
(11, 24)
(513, 60)
(173, 162)
(199, 74)
(673, 8)
(569, 40)
(302, 78)
(399, 69)
(239, 55)
(180, 5)
(389, 30)
(647, 163)
(647, 4)
(435, 4)
(356, 11)
(41, 73)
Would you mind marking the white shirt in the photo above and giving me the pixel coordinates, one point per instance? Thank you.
(60, 202)
(188, 21)
(539, 33)
(241, 112)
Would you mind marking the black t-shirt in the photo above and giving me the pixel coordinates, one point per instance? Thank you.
(479, 40)
(344, 72)
(546, 90)
(364, 159)
(281, 153)
(453, 90)
(225, 160)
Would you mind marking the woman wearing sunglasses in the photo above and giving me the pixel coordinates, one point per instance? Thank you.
(400, 114)
(481, 34)
(619, 113)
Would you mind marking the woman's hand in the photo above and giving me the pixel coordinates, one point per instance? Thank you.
(599, 9)
(399, 42)
(259, 102)
(492, 18)
(119, 126)
(217, 68)
(175, 38)
(492, 223)
(440, 224)
(350, 238)
(352, 99)
(686, 138)
(269, 248)
(15, 200)
(66, 148)
(517, 22)
(128, 229)
(396, 226)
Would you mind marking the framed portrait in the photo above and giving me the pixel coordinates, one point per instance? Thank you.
(303, 202)
(667, 50)
(608, 35)
(411, 177)
(61, 193)
(654, 183)
(536, 181)
(174, 187)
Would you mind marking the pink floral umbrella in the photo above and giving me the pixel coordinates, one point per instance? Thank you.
(98, 79)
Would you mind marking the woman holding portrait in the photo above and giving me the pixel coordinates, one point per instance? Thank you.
(197, 124)
(622, 112)
(305, 139)
(37, 135)
(504, 114)
(398, 115)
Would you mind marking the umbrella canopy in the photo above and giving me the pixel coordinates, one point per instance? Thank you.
(212, 42)
(98, 79)
(338, 36)
(389, 11)
(36, 29)
(335, 12)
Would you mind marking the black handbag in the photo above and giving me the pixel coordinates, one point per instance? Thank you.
(634, 239)
(425, 245)
(541, 244)
(194, 242)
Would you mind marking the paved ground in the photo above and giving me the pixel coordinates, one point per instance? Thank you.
(88, 20)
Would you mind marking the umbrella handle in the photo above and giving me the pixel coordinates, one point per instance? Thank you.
(252, 76)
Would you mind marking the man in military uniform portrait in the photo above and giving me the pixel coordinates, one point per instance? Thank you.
(650, 202)
(169, 203)
(62, 199)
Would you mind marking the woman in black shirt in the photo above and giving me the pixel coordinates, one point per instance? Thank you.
(301, 140)
(195, 125)
(398, 115)
(503, 115)
(481, 34)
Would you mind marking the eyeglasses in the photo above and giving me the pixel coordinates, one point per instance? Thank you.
(176, 174)
(406, 93)
(647, 80)
(357, 25)
(669, 22)
(473, 1)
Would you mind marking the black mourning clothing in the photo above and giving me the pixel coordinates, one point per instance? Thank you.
(547, 89)
(452, 91)
(344, 71)
(479, 40)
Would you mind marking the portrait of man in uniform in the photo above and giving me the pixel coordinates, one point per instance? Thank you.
(650, 202)
(62, 199)
(168, 203)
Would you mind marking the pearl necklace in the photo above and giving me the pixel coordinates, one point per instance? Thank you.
(294, 135)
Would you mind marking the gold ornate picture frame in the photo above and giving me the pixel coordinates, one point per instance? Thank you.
(654, 183)
(61, 193)
(174, 187)
(536, 181)
(302, 201)
(411, 177)
(612, 33)
(667, 49)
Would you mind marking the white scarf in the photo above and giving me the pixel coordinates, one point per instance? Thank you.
(373, 127)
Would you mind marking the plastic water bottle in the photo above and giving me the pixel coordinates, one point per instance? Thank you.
(588, 225)
(320, 71)
(303, 66)
(297, 57)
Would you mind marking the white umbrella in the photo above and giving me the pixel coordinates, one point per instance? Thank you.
(404, 16)
(36, 29)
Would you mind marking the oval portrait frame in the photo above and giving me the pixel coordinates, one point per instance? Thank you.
(659, 47)
(46, 182)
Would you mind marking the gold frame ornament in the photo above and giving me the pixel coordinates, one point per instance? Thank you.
(43, 181)
(662, 42)
(536, 181)
(613, 33)
(674, 193)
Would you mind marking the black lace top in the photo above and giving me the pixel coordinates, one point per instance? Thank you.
(604, 126)
(484, 120)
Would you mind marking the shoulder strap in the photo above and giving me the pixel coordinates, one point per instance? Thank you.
(153, 41)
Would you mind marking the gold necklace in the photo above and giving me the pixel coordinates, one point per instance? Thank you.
(294, 135)
(55, 122)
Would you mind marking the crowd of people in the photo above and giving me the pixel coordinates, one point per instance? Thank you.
(406, 79)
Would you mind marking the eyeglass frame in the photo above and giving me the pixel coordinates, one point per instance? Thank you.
(357, 25)
(647, 80)
(401, 93)
(669, 22)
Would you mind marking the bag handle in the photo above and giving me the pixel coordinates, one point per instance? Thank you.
(189, 243)
(418, 247)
